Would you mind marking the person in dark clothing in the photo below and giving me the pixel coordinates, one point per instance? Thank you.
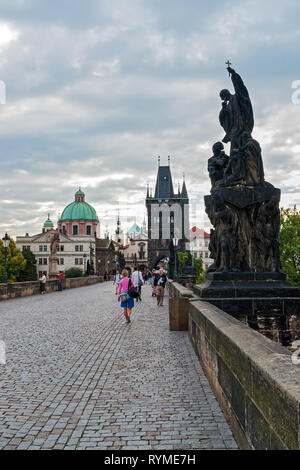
(160, 281)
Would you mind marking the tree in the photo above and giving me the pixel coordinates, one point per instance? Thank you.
(73, 272)
(29, 272)
(199, 271)
(182, 256)
(15, 261)
(289, 238)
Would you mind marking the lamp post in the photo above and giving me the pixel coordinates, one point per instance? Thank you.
(175, 243)
(99, 263)
(108, 263)
(6, 241)
(84, 260)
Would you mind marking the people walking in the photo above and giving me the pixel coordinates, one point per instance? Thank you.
(138, 282)
(117, 280)
(60, 281)
(160, 284)
(127, 302)
(152, 282)
(43, 280)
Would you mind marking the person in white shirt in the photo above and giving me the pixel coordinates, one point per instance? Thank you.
(138, 281)
(43, 281)
(117, 280)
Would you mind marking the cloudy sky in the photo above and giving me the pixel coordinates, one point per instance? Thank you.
(97, 89)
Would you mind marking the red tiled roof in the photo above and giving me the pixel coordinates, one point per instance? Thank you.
(196, 232)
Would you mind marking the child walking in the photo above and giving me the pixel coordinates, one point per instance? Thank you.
(127, 302)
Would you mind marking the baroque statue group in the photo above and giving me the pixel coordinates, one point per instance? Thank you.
(243, 208)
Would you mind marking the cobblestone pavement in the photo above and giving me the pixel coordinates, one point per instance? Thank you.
(78, 377)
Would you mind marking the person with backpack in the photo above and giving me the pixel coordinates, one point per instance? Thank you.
(138, 281)
(127, 302)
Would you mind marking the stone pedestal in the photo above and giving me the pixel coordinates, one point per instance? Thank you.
(53, 268)
(250, 293)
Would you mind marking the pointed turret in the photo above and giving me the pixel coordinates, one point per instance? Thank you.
(184, 193)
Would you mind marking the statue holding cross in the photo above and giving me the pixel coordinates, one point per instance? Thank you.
(236, 116)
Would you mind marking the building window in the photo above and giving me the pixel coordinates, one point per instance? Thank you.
(61, 261)
(64, 230)
(45, 247)
(80, 260)
(76, 261)
(75, 230)
(80, 247)
(61, 248)
(40, 260)
(88, 230)
(45, 261)
(76, 248)
(40, 274)
(41, 248)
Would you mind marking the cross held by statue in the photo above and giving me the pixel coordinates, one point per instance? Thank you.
(228, 63)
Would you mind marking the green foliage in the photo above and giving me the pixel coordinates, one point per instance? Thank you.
(29, 272)
(73, 272)
(199, 271)
(289, 239)
(182, 257)
(15, 261)
(198, 266)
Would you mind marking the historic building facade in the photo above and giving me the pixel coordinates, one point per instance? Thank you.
(199, 246)
(77, 227)
(136, 247)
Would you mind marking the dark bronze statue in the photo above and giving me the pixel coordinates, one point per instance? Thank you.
(243, 208)
(217, 164)
(236, 115)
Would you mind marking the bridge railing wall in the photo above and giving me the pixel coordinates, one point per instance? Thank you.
(253, 378)
(23, 289)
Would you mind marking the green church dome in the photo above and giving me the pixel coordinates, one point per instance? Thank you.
(48, 222)
(79, 209)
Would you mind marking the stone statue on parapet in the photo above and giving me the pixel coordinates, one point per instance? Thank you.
(217, 164)
(243, 208)
(236, 116)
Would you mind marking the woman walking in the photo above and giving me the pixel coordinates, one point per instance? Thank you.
(127, 302)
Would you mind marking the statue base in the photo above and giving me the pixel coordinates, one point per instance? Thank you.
(266, 294)
(53, 264)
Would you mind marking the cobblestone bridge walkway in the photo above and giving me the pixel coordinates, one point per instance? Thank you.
(78, 377)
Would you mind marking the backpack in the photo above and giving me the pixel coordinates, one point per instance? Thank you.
(133, 291)
(124, 295)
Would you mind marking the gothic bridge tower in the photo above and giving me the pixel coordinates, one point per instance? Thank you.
(168, 217)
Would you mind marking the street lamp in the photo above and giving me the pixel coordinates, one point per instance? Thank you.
(84, 260)
(6, 241)
(99, 263)
(175, 243)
